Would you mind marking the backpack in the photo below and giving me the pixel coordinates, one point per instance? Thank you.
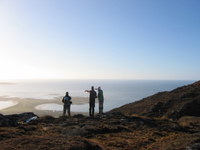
(66, 100)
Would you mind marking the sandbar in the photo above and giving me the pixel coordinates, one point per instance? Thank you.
(21, 105)
(58, 107)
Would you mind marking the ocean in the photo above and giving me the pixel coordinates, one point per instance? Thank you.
(116, 92)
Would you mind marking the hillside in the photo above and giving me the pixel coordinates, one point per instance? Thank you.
(114, 131)
(165, 121)
(183, 101)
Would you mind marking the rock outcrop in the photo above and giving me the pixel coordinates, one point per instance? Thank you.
(15, 119)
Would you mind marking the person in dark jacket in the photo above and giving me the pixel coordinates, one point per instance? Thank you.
(92, 97)
(66, 104)
(101, 99)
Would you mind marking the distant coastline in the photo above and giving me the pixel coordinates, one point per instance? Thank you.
(7, 83)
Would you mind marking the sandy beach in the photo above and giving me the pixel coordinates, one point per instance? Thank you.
(53, 107)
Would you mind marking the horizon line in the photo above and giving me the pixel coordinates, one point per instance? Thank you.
(36, 79)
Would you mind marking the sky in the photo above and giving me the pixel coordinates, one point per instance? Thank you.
(100, 39)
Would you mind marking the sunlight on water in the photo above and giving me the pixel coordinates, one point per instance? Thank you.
(6, 104)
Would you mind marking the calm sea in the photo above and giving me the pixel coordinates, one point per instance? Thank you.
(116, 92)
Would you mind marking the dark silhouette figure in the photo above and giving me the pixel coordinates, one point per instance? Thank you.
(92, 97)
(66, 104)
(101, 99)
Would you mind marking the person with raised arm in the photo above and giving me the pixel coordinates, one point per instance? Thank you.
(92, 97)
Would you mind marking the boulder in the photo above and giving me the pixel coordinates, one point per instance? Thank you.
(15, 119)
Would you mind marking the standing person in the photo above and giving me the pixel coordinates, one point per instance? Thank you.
(92, 97)
(101, 99)
(67, 103)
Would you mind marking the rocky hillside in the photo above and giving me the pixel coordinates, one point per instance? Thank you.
(143, 125)
(113, 131)
(183, 101)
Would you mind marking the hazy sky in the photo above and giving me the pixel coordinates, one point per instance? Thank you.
(100, 39)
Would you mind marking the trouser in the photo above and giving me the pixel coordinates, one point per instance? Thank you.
(91, 109)
(100, 107)
(66, 107)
